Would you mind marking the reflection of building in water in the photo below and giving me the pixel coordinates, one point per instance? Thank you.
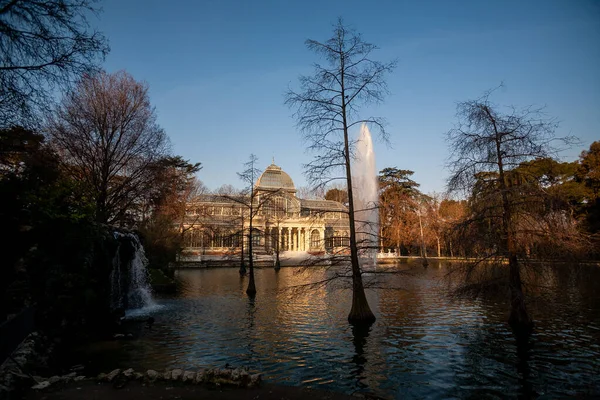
(214, 222)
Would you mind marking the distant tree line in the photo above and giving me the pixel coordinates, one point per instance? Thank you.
(561, 197)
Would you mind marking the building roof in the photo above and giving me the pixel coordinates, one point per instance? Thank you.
(322, 205)
(275, 178)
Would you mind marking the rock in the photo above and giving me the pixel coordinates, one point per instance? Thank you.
(176, 375)
(79, 378)
(235, 375)
(128, 373)
(71, 375)
(129, 335)
(152, 375)
(118, 336)
(138, 376)
(199, 377)
(101, 377)
(78, 367)
(54, 379)
(225, 373)
(255, 380)
(42, 385)
(167, 375)
(188, 376)
(112, 375)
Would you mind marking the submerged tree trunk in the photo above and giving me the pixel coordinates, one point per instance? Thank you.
(251, 291)
(519, 319)
(242, 262)
(360, 313)
(277, 261)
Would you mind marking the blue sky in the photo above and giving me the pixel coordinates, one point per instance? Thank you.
(217, 71)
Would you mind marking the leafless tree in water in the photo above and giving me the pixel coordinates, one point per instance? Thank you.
(327, 107)
(487, 147)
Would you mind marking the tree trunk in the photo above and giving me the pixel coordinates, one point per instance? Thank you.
(519, 319)
(277, 261)
(360, 313)
(423, 249)
(242, 262)
(251, 291)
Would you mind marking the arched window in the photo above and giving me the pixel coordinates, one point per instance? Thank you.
(315, 239)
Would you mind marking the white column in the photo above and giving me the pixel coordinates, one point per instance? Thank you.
(279, 236)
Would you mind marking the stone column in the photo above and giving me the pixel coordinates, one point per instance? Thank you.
(289, 237)
(307, 239)
(292, 239)
(280, 238)
(295, 241)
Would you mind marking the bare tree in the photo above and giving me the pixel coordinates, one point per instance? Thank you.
(107, 133)
(252, 202)
(44, 45)
(486, 146)
(306, 192)
(328, 105)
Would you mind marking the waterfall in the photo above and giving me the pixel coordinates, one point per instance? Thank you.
(366, 196)
(130, 289)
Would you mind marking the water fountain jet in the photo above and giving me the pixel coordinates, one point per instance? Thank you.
(366, 198)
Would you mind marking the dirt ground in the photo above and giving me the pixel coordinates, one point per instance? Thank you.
(90, 390)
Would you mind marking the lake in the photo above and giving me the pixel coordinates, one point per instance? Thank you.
(424, 344)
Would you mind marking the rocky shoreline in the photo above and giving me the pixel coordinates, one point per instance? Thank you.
(235, 377)
(18, 381)
(18, 373)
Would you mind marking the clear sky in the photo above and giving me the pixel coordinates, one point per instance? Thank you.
(218, 70)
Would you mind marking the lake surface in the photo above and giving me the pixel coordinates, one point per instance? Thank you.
(423, 345)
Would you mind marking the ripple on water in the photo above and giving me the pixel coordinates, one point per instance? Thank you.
(423, 345)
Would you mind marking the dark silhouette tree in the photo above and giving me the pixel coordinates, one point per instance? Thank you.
(327, 107)
(486, 146)
(44, 46)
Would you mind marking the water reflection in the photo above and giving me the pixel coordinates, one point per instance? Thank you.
(423, 345)
(359, 358)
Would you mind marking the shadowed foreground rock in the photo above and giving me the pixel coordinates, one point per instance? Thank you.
(214, 383)
(89, 389)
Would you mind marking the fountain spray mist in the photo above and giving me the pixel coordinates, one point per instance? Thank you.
(366, 195)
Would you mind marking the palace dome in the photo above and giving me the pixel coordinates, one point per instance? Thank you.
(275, 178)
